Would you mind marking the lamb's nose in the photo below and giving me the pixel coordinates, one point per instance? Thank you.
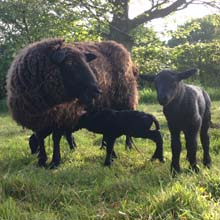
(163, 99)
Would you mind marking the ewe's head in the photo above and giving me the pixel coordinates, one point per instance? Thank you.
(78, 79)
(167, 83)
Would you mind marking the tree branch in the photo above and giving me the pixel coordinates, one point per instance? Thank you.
(157, 13)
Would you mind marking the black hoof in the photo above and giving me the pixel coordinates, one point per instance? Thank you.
(53, 165)
(72, 149)
(41, 163)
(114, 156)
(174, 171)
(107, 163)
(161, 159)
(195, 168)
(207, 163)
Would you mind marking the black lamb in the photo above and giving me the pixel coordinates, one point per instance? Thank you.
(113, 124)
(186, 108)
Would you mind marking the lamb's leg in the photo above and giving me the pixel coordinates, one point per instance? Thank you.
(42, 156)
(70, 139)
(176, 149)
(56, 149)
(191, 146)
(157, 138)
(109, 148)
(128, 143)
(205, 142)
(104, 144)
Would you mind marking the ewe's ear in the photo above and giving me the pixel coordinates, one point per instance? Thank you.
(186, 74)
(149, 78)
(58, 56)
(90, 57)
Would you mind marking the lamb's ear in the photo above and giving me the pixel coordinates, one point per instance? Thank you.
(90, 56)
(149, 78)
(58, 56)
(186, 74)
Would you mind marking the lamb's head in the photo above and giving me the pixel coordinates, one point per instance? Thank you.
(167, 83)
(78, 78)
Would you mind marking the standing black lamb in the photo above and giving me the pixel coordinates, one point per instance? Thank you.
(44, 75)
(187, 109)
(113, 124)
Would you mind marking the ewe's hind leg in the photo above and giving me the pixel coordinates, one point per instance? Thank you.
(157, 138)
(56, 149)
(205, 142)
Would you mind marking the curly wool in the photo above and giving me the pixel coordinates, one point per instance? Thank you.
(113, 68)
(116, 75)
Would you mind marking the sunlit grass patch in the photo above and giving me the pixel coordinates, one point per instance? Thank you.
(82, 188)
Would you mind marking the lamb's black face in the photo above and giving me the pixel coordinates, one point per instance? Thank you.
(78, 78)
(166, 84)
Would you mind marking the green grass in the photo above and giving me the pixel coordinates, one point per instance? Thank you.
(81, 188)
(148, 95)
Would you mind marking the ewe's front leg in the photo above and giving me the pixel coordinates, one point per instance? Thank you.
(56, 149)
(109, 149)
(34, 144)
(176, 150)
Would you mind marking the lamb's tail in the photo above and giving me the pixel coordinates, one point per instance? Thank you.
(156, 122)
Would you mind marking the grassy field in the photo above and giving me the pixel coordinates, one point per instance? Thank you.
(81, 188)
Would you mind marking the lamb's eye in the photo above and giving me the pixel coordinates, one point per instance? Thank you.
(69, 62)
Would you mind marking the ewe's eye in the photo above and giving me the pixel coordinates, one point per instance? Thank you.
(69, 62)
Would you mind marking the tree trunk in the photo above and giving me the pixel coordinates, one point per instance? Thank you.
(119, 26)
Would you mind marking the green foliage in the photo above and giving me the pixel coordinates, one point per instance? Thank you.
(26, 21)
(197, 45)
(199, 30)
(81, 188)
(204, 56)
(149, 53)
(23, 22)
(147, 95)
